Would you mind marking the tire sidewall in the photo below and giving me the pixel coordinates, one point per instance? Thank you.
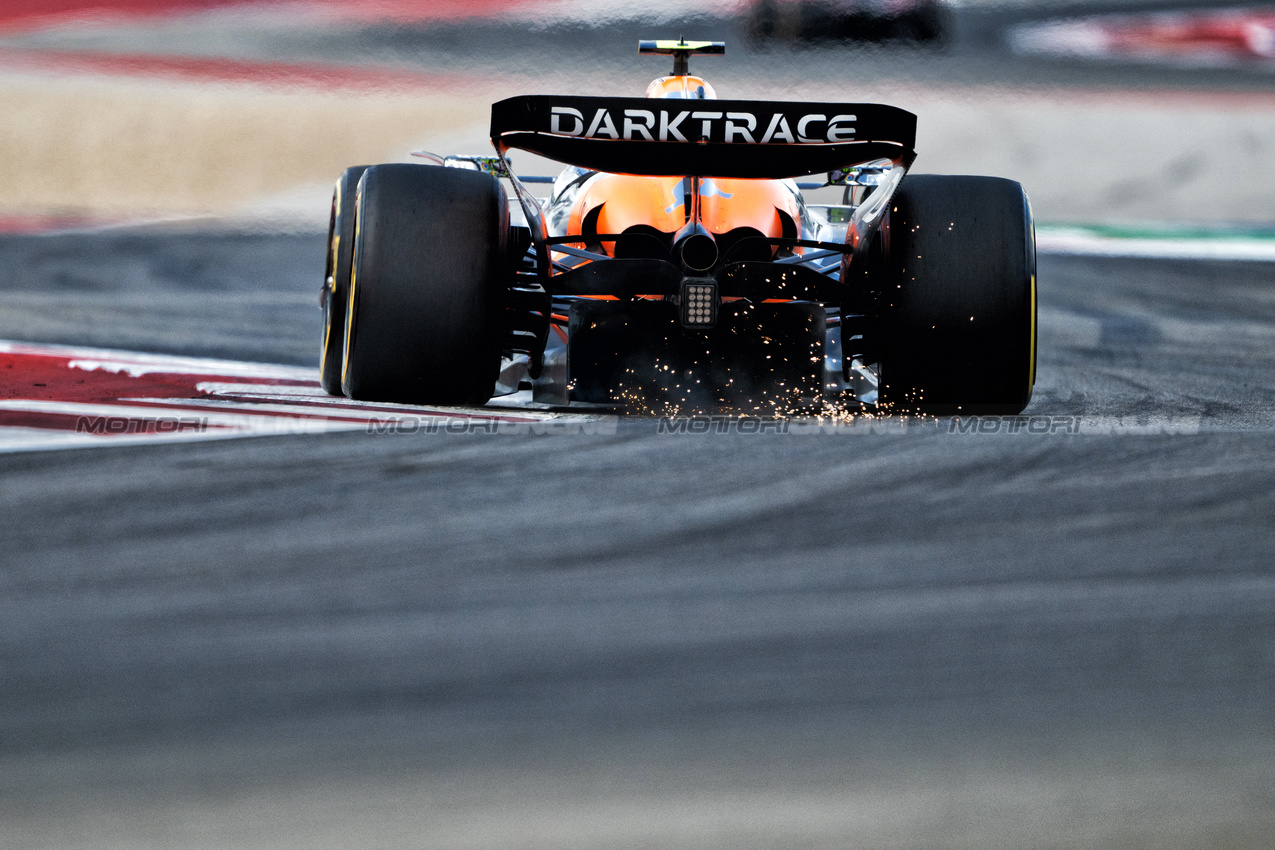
(429, 267)
(340, 257)
(957, 313)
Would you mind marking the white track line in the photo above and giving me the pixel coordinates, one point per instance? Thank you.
(1056, 240)
(236, 399)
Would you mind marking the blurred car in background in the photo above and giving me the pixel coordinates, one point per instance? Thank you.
(853, 20)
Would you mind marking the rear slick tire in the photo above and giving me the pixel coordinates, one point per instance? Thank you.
(959, 305)
(336, 289)
(427, 289)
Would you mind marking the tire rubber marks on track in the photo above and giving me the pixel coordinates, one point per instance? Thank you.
(62, 397)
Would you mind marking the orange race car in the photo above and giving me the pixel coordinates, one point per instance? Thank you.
(676, 264)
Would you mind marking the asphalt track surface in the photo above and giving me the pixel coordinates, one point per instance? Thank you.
(908, 638)
(898, 638)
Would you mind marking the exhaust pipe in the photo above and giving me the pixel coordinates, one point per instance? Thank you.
(695, 246)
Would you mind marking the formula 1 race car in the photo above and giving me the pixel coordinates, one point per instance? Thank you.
(676, 266)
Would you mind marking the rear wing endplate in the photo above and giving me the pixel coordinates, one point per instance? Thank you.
(703, 138)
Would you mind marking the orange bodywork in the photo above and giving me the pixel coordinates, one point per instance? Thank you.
(611, 204)
(684, 87)
(625, 201)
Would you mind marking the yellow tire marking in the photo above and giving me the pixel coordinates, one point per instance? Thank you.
(349, 304)
(335, 248)
(1031, 375)
(1031, 370)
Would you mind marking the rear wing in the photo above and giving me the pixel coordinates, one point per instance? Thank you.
(703, 138)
